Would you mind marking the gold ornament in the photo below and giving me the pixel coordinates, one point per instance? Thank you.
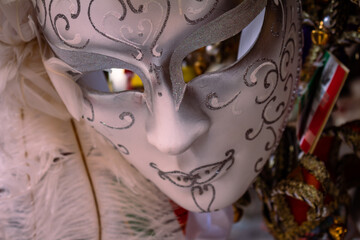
(319, 36)
(244, 201)
(238, 213)
(338, 229)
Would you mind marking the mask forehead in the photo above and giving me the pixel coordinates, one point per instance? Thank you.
(134, 35)
(135, 31)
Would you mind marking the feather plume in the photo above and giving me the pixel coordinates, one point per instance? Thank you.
(44, 188)
(21, 63)
(129, 205)
(47, 193)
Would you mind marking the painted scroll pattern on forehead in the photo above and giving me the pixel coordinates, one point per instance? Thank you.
(200, 10)
(117, 23)
(136, 24)
(73, 13)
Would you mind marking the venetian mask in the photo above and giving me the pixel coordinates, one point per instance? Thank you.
(201, 142)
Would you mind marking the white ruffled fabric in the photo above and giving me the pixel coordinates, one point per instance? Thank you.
(214, 225)
(29, 65)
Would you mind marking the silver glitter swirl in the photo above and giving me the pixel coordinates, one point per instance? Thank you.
(210, 97)
(198, 176)
(122, 117)
(154, 44)
(251, 79)
(139, 56)
(275, 109)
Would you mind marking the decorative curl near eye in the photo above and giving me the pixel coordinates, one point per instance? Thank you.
(135, 35)
(125, 116)
(266, 71)
(212, 102)
(218, 56)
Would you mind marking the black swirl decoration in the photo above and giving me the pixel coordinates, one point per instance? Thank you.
(270, 79)
(119, 147)
(122, 117)
(269, 145)
(210, 97)
(279, 110)
(275, 107)
(133, 9)
(288, 54)
(139, 55)
(37, 8)
(154, 51)
(251, 134)
(63, 17)
(123, 149)
(199, 180)
(198, 194)
(92, 110)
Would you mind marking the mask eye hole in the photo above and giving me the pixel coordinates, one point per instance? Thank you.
(218, 56)
(119, 79)
(211, 58)
(112, 80)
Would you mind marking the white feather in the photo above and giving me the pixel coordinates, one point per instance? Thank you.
(129, 204)
(42, 198)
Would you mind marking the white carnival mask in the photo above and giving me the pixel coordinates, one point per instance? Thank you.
(202, 143)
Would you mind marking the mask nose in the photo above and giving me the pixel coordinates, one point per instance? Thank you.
(173, 131)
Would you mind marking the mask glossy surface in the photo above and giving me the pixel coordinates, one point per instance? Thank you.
(202, 143)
